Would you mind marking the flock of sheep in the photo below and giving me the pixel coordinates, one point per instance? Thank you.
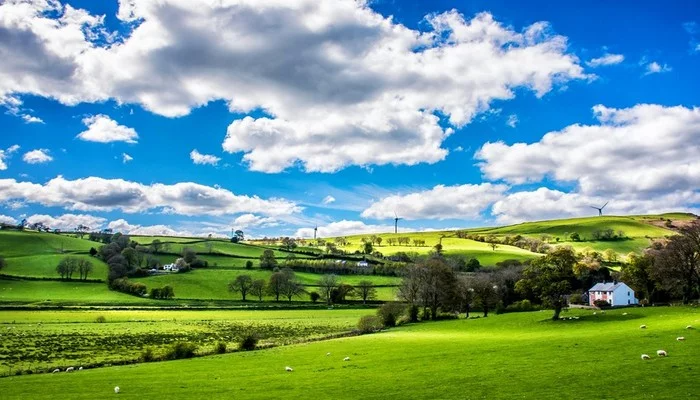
(661, 353)
(290, 369)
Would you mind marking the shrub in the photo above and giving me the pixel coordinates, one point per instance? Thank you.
(522, 305)
(248, 342)
(389, 313)
(248, 264)
(576, 298)
(147, 355)
(314, 296)
(181, 350)
(221, 347)
(101, 319)
(601, 303)
(369, 324)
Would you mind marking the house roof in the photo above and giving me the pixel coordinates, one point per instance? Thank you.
(606, 286)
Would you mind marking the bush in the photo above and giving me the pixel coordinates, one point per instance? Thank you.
(101, 319)
(601, 303)
(389, 313)
(576, 298)
(248, 342)
(522, 305)
(248, 264)
(369, 324)
(181, 350)
(147, 355)
(221, 347)
(314, 296)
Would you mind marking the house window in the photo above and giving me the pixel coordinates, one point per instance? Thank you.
(628, 294)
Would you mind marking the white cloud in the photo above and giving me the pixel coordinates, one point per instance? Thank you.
(247, 221)
(340, 84)
(38, 156)
(122, 226)
(5, 154)
(656, 68)
(99, 194)
(607, 59)
(199, 158)
(328, 199)
(4, 219)
(12, 148)
(646, 149)
(544, 203)
(126, 158)
(343, 228)
(67, 221)
(103, 129)
(440, 202)
(512, 120)
(126, 228)
(30, 119)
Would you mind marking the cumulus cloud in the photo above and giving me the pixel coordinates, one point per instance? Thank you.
(4, 219)
(199, 158)
(126, 228)
(339, 83)
(99, 194)
(248, 221)
(607, 59)
(440, 202)
(544, 203)
(38, 156)
(328, 199)
(5, 155)
(103, 129)
(646, 149)
(126, 158)
(30, 119)
(344, 227)
(67, 221)
(122, 226)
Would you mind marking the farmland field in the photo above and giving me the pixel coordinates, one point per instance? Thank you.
(523, 355)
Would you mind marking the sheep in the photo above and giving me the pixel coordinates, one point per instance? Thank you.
(624, 313)
(80, 369)
(680, 338)
(328, 354)
(645, 357)
(116, 389)
(642, 327)
(689, 327)
(56, 370)
(661, 353)
(288, 369)
(346, 359)
(70, 369)
(594, 313)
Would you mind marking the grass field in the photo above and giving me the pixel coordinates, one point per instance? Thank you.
(506, 356)
(45, 266)
(40, 340)
(14, 243)
(46, 292)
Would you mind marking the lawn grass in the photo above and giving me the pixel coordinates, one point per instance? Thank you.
(523, 355)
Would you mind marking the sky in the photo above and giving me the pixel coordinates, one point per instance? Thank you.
(196, 117)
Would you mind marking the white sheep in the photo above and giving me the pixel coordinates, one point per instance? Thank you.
(328, 354)
(661, 353)
(56, 370)
(576, 317)
(689, 327)
(116, 389)
(645, 357)
(642, 327)
(624, 313)
(70, 369)
(594, 313)
(346, 359)
(80, 369)
(288, 369)
(680, 338)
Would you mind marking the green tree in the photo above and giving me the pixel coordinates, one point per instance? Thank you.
(327, 284)
(677, 263)
(366, 291)
(267, 259)
(67, 267)
(84, 268)
(242, 284)
(156, 245)
(131, 258)
(257, 288)
(189, 255)
(485, 291)
(549, 278)
(637, 273)
(276, 284)
(367, 248)
(289, 243)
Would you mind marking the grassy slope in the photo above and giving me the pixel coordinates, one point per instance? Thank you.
(45, 266)
(39, 291)
(14, 243)
(504, 356)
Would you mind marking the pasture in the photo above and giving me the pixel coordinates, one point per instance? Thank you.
(522, 355)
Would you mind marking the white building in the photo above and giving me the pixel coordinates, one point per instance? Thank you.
(364, 264)
(615, 293)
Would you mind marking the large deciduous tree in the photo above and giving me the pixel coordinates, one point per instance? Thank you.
(366, 291)
(550, 278)
(242, 284)
(326, 285)
(677, 264)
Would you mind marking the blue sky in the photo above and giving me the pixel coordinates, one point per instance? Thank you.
(195, 117)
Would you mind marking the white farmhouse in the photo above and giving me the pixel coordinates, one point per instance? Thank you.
(363, 264)
(615, 293)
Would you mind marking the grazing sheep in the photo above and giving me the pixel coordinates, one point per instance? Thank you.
(70, 369)
(689, 327)
(288, 369)
(642, 327)
(576, 317)
(328, 354)
(624, 313)
(116, 389)
(80, 369)
(661, 353)
(56, 370)
(594, 313)
(645, 357)
(680, 338)
(346, 359)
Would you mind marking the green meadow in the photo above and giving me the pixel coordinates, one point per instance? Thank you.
(520, 355)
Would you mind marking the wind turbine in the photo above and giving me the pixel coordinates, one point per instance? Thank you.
(396, 222)
(600, 209)
(315, 229)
